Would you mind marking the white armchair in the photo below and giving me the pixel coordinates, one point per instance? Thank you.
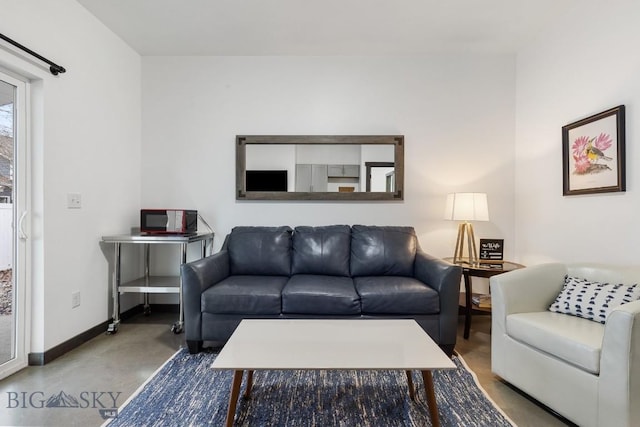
(586, 371)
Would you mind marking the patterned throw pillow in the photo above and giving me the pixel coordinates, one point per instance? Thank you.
(592, 300)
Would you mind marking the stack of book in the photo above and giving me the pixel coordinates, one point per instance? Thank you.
(482, 301)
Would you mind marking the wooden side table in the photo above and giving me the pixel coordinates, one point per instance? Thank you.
(484, 269)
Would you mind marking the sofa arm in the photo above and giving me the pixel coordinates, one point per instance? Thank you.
(196, 277)
(439, 274)
(619, 390)
(444, 277)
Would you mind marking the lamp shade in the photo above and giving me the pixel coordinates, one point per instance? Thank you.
(467, 207)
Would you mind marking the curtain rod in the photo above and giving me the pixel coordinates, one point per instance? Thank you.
(54, 68)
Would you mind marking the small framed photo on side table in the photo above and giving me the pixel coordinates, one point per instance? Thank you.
(491, 252)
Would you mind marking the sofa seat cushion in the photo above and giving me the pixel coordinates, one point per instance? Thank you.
(245, 295)
(569, 338)
(317, 294)
(396, 295)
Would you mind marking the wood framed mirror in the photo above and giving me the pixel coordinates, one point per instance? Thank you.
(312, 167)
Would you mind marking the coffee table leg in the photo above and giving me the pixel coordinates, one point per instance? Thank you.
(247, 391)
(427, 378)
(233, 399)
(412, 391)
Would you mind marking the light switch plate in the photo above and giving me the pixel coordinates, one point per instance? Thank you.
(74, 201)
(75, 299)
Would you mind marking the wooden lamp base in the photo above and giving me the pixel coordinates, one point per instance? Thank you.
(466, 229)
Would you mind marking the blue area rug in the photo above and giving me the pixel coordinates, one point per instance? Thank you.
(185, 391)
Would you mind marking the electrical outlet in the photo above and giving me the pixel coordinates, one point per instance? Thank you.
(75, 299)
(74, 200)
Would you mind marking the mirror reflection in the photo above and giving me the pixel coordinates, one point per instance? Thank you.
(317, 168)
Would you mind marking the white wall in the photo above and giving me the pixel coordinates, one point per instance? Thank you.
(86, 139)
(457, 114)
(586, 64)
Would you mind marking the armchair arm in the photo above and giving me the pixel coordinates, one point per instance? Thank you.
(619, 390)
(196, 277)
(526, 290)
(444, 277)
(530, 289)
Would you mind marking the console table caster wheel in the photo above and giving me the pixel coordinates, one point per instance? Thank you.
(147, 310)
(112, 329)
(176, 328)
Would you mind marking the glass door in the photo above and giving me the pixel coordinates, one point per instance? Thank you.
(12, 224)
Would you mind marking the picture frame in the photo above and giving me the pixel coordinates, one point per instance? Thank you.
(593, 154)
(491, 250)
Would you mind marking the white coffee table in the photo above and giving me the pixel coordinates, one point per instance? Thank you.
(283, 344)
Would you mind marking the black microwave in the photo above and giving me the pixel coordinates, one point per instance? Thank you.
(168, 221)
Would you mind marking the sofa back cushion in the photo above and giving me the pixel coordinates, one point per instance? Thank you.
(382, 251)
(260, 251)
(321, 250)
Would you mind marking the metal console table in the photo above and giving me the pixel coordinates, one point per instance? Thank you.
(151, 284)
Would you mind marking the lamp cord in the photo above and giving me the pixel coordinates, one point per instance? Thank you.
(210, 230)
(205, 223)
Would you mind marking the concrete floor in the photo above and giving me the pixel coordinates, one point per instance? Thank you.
(120, 363)
(116, 363)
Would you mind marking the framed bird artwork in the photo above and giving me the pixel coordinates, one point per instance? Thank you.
(593, 159)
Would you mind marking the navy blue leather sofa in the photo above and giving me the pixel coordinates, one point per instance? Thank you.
(319, 272)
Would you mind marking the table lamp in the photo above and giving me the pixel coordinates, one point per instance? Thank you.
(466, 207)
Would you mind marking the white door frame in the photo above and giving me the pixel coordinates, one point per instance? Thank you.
(21, 226)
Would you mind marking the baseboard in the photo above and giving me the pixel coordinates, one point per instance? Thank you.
(537, 402)
(40, 359)
(165, 308)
